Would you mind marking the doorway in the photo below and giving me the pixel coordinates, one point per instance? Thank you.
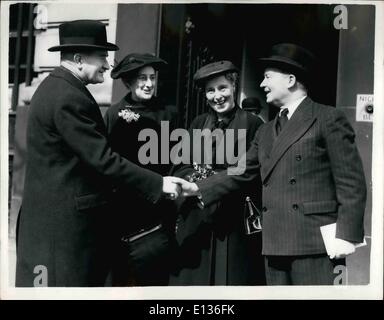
(243, 33)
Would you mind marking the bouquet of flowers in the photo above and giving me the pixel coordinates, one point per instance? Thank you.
(202, 171)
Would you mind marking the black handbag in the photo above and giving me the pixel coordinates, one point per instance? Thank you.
(148, 246)
(252, 217)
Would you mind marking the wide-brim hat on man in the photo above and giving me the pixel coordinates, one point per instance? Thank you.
(212, 70)
(290, 57)
(133, 62)
(83, 34)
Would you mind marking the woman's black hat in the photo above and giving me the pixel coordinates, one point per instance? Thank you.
(134, 61)
(214, 69)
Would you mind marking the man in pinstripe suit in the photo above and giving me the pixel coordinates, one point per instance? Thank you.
(312, 176)
(311, 172)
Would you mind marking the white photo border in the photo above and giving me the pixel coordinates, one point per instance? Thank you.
(374, 290)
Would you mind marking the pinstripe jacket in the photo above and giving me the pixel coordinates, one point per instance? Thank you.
(312, 175)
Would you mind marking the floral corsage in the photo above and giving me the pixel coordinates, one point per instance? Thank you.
(201, 172)
(128, 115)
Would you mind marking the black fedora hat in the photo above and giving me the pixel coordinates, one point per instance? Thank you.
(290, 57)
(134, 61)
(214, 69)
(85, 34)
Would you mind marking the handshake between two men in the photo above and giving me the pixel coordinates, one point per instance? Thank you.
(174, 187)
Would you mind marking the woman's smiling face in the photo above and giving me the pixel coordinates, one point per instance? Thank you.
(219, 92)
(143, 85)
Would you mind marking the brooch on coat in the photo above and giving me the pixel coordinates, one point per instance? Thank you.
(128, 115)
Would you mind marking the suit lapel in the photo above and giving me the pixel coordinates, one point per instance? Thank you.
(268, 138)
(295, 128)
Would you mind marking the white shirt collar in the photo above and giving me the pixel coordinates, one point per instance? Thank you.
(292, 107)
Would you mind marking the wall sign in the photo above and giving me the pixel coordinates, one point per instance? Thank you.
(364, 107)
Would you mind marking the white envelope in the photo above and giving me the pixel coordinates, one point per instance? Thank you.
(328, 233)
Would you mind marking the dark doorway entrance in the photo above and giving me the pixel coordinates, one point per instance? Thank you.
(243, 33)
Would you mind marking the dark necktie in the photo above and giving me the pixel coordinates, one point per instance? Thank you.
(282, 120)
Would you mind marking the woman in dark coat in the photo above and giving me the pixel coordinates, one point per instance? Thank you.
(139, 110)
(213, 247)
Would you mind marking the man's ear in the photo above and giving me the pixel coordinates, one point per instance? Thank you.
(291, 80)
(78, 59)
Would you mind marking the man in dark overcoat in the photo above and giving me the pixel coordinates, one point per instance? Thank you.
(64, 224)
(312, 176)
